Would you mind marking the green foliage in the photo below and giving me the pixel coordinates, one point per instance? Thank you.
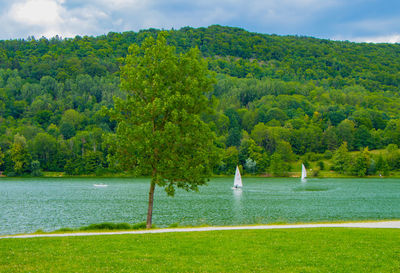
(44, 149)
(35, 168)
(107, 226)
(1, 157)
(229, 161)
(341, 159)
(114, 226)
(93, 161)
(382, 166)
(90, 162)
(20, 156)
(67, 130)
(361, 163)
(285, 93)
(159, 129)
(392, 156)
(278, 167)
(328, 154)
(74, 166)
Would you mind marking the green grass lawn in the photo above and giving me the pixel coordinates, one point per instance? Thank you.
(289, 250)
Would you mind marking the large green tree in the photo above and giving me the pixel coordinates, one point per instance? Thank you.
(159, 130)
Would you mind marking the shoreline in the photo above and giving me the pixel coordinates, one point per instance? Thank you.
(387, 224)
(122, 175)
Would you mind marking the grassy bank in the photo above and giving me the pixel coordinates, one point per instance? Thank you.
(300, 250)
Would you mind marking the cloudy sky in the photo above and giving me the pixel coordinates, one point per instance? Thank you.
(354, 20)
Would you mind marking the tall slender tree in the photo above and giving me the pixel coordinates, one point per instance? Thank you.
(341, 159)
(160, 132)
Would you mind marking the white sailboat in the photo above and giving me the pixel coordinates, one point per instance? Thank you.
(237, 183)
(303, 173)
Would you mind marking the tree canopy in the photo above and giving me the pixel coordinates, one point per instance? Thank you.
(160, 131)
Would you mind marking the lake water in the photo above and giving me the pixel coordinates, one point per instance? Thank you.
(27, 205)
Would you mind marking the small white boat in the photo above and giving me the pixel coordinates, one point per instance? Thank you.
(303, 173)
(237, 183)
(100, 185)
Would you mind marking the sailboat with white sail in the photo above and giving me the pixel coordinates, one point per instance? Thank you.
(303, 173)
(237, 183)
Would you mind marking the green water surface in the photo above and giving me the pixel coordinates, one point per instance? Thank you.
(27, 205)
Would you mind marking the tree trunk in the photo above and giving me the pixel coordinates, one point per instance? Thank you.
(150, 209)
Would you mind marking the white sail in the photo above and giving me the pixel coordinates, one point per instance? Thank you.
(238, 179)
(303, 173)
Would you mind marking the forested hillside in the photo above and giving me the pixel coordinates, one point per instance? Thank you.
(277, 99)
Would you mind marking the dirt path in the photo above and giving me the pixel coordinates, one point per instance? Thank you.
(382, 224)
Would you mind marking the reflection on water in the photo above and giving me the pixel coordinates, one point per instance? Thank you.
(237, 204)
(237, 194)
(30, 204)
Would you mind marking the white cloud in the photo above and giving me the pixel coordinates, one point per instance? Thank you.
(37, 12)
(394, 38)
(49, 18)
(381, 39)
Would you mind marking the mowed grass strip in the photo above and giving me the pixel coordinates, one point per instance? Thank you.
(289, 250)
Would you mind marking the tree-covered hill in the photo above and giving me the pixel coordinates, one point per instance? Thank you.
(277, 98)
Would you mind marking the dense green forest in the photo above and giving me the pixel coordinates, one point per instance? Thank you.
(278, 99)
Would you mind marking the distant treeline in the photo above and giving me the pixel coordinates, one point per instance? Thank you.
(277, 99)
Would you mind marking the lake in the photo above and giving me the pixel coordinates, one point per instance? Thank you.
(27, 205)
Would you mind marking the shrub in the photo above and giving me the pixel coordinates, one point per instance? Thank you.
(115, 226)
(328, 154)
(64, 229)
(141, 225)
(109, 226)
(173, 225)
(35, 168)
